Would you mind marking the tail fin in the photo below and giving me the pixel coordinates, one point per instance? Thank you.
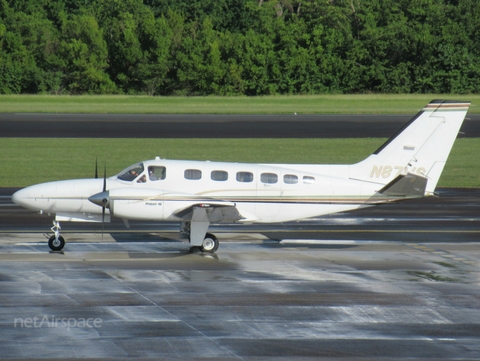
(421, 147)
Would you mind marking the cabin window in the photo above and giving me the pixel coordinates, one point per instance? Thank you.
(269, 178)
(308, 180)
(193, 174)
(245, 177)
(156, 173)
(219, 175)
(131, 173)
(290, 179)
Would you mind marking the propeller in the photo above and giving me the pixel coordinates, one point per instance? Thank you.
(104, 200)
(101, 199)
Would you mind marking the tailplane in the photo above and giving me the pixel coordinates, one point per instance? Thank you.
(420, 148)
(406, 186)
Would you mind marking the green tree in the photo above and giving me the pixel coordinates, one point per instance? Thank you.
(83, 56)
(152, 70)
(18, 69)
(200, 69)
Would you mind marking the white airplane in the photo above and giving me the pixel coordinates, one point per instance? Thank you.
(198, 193)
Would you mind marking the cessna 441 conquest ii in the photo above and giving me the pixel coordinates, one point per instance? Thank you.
(198, 193)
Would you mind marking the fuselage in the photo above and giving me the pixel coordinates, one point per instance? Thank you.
(159, 189)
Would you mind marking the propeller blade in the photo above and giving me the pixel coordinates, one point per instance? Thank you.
(104, 200)
(105, 178)
(103, 220)
(96, 168)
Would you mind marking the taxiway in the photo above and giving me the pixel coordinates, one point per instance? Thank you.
(26, 125)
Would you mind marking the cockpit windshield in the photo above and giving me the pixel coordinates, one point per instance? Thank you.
(131, 173)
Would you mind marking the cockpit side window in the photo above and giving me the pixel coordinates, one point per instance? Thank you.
(156, 173)
(131, 173)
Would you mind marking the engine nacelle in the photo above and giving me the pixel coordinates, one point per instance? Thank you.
(152, 210)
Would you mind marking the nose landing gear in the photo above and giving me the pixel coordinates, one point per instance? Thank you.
(56, 242)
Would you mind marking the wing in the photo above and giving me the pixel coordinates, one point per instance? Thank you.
(215, 211)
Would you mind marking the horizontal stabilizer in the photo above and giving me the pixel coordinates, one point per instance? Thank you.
(409, 185)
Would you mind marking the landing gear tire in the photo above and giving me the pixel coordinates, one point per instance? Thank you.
(56, 244)
(210, 244)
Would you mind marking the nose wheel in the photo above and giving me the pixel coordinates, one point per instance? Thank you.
(56, 242)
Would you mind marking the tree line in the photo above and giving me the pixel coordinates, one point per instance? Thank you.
(239, 47)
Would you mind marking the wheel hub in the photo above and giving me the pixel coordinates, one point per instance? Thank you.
(208, 244)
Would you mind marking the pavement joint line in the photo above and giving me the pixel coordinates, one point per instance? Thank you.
(166, 311)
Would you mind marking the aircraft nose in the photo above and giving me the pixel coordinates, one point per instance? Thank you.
(34, 197)
(23, 198)
(20, 197)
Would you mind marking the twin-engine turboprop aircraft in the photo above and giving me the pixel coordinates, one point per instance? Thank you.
(197, 193)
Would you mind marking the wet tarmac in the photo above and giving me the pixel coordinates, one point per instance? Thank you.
(393, 282)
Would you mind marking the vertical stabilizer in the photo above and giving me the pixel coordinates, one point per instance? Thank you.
(420, 147)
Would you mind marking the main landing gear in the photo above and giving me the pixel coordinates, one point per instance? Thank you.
(56, 242)
(210, 244)
(196, 233)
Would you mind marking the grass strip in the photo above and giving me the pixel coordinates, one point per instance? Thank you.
(27, 161)
(300, 104)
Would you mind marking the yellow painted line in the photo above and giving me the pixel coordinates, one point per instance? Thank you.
(442, 254)
(423, 248)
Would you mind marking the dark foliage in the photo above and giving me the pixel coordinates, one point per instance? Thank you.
(239, 47)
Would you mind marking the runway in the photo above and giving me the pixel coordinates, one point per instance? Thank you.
(393, 282)
(27, 125)
(452, 216)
